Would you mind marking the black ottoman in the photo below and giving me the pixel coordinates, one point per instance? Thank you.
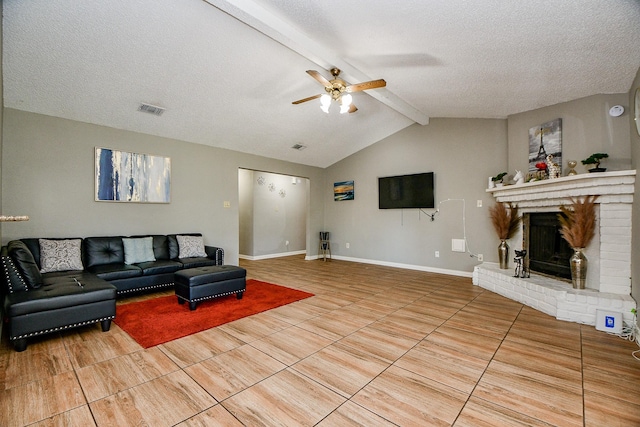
(201, 283)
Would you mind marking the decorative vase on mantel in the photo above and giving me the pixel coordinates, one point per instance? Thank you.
(579, 264)
(503, 254)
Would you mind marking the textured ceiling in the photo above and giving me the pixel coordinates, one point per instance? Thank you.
(227, 70)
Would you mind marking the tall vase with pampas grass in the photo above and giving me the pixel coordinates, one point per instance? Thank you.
(505, 220)
(577, 227)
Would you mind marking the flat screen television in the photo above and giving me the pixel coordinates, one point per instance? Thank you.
(406, 191)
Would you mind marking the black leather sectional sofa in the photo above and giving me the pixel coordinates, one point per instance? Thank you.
(37, 301)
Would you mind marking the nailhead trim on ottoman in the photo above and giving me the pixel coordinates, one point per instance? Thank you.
(201, 283)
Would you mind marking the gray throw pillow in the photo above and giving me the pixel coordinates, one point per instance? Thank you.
(190, 246)
(138, 249)
(60, 255)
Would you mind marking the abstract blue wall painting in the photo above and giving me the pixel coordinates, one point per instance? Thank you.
(132, 177)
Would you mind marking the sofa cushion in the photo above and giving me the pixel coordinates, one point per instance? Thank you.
(26, 264)
(64, 291)
(60, 255)
(115, 271)
(160, 266)
(161, 247)
(190, 246)
(103, 250)
(196, 262)
(138, 249)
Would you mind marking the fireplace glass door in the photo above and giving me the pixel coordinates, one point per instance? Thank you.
(548, 252)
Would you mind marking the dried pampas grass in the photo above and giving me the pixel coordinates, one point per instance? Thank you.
(505, 221)
(578, 221)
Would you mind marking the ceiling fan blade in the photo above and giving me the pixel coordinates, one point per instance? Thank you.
(316, 75)
(352, 108)
(373, 84)
(300, 101)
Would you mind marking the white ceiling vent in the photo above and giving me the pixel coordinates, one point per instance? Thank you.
(299, 147)
(151, 109)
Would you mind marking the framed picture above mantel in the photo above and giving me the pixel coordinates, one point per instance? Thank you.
(122, 176)
(545, 140)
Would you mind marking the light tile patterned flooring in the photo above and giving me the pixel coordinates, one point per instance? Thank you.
(375, 346)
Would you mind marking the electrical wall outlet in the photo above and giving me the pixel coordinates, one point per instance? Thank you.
(347, 245)
(479, 203)
(437, 254)
(226, 204)
(480, 257)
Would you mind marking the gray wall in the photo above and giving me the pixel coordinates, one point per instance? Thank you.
(273, 211)
(1, 133)
(635, 157)
(48, 174)
(587, 128)
(462, 153)
(245, 183)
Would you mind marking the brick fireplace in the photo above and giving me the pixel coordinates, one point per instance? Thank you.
(608, 284)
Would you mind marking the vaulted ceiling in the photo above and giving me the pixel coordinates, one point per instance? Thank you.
(226, 71)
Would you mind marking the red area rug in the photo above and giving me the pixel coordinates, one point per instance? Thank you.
(159, 320)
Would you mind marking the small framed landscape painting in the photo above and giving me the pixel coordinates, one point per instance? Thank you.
(131, 177)
(343, 191)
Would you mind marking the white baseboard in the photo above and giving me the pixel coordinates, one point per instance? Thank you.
(269, 256)
(366, 261)
(398, 265)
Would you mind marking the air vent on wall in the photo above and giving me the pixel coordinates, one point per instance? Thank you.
(151, 109)
(298, 147)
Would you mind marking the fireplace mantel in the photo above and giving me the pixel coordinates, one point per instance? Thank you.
(612, 187)
(609, 254)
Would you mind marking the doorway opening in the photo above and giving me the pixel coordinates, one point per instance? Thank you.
(273, 214)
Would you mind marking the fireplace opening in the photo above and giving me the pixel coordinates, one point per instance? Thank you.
(547, 251)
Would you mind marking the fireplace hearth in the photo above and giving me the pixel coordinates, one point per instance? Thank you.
(548, 289)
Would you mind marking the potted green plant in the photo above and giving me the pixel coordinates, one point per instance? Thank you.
(595, 159)
(497, 180)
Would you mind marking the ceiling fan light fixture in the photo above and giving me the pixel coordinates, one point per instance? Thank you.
(345, 103)
(338, 90)
(325, 103)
